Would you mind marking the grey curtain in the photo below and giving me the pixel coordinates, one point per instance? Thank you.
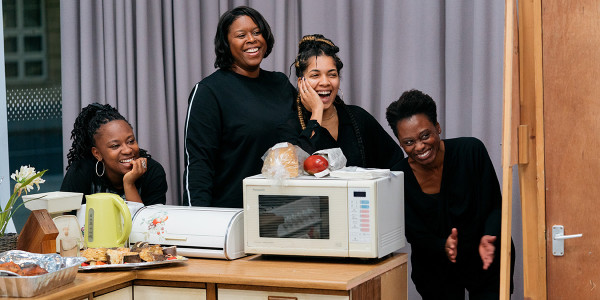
(144, 57)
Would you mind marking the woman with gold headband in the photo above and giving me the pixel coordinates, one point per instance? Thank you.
(321, 120)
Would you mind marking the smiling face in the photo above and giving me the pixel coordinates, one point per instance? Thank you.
(323, 77)
(247, 46)
(116, 147)
(420, 139)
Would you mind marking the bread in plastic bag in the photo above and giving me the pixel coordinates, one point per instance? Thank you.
(284, 160)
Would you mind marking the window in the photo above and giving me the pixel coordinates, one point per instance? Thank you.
(25, 56)
(33, 91)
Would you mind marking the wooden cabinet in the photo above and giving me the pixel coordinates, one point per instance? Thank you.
(162, 293)
(125, 293)
(252, 277)
(234, 294)
(261, 277)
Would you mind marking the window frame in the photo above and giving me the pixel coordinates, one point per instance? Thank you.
(4, 171)
(20, 32)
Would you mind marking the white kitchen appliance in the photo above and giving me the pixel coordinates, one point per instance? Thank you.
(210, 232)
(324, 216)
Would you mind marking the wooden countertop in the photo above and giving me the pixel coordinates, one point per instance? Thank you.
(294, 272)
(256, 270)
(84, 284)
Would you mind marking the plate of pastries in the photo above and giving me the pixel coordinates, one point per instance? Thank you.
(139, 255)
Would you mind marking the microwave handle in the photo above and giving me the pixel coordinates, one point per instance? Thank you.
(282, 298)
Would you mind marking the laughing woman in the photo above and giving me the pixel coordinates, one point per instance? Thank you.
(452, 205)
(232, 112)
(321, 120)
(105, 158)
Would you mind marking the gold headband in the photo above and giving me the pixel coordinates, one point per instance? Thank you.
(313, 38)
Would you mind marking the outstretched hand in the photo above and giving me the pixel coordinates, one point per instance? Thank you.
(451, 245)
(486, 250)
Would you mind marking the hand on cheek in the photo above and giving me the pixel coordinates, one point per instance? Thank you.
(309, 97)
(140, 166)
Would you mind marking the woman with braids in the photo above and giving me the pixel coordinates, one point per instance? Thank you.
(321, 120)
(232, 113)
(105, 158)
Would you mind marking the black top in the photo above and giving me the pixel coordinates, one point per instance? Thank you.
(469, 200)
(81, 178)
(231, 123)
(380, 149)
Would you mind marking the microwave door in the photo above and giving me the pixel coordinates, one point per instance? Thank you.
(294, 217)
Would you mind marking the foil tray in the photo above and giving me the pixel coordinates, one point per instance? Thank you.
(61, 271)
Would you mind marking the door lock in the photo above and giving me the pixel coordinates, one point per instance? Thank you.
(558, 239)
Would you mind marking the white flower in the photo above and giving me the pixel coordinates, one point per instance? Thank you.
(26, 172)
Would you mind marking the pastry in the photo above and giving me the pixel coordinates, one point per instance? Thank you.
(131, 257)
(170, 250)
(137, 247)
(138, 253)
(115, 256)
(95, 254)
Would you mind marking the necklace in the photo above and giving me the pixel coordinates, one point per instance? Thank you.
(332, 114)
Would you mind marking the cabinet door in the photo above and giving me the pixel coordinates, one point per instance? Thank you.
(231, 294)
(125, 293)
(142, 292)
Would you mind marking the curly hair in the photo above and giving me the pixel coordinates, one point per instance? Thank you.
(410, 103)
(89, 120)
(224, 59)
(316, 45)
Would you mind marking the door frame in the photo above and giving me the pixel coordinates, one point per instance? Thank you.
(4, 165)
(531, 164)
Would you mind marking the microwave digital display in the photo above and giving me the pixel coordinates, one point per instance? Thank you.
(305, 217)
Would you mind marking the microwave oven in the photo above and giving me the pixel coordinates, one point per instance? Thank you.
(324, 216)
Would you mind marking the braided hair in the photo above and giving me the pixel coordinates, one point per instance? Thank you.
(89, 120)
(316, 45)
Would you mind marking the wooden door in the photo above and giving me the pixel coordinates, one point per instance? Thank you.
(571, 85)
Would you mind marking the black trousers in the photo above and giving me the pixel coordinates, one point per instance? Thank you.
(451, 286)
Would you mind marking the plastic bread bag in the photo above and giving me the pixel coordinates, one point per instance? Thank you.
(282, 161)
(361, 173)
(334, 156)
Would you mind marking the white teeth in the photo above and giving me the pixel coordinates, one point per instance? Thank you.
(252, 50)
(424, 154)
(324, 92)
(127, 160)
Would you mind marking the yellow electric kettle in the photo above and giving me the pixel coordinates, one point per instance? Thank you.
(104, 227)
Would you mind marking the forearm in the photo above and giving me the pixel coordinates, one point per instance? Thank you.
(131, 193)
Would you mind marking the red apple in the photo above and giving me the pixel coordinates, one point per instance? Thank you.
(315, 164)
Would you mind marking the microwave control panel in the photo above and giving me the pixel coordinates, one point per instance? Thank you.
(359, 215)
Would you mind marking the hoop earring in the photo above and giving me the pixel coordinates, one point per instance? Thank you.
(103, 169)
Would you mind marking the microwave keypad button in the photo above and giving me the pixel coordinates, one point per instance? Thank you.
(359, 211)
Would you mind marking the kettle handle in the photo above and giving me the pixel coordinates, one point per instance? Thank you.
(120, 204)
